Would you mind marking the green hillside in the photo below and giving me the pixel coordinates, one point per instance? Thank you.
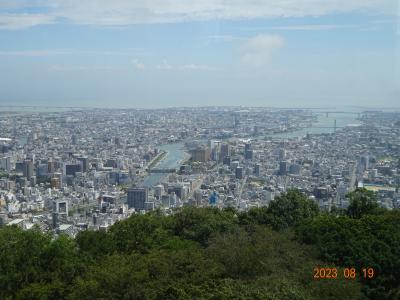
(207, 253)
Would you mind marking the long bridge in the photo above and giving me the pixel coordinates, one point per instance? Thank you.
(325, 127)
(166, 171)
(334, 127)
(342, 112)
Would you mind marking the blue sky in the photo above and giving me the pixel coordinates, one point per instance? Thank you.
(154, 53)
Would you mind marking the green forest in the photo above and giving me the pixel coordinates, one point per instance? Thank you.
(207, 253)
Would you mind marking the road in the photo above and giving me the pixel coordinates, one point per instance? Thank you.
(353, 178)
(242, 187)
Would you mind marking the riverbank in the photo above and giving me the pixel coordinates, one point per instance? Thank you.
(157, 159)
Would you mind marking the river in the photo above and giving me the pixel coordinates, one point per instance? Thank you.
(172, 160)
(176, 152)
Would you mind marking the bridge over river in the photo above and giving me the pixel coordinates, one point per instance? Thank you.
(162, 171)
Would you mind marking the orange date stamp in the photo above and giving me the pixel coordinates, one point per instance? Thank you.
(347, 273)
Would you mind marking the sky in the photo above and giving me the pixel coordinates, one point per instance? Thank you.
(169, 53)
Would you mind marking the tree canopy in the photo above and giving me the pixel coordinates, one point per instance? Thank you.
(208, 253)
(362, 202)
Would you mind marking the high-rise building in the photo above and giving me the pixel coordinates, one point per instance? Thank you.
(72, 169)
(42, 170)
(294, 169)
(227, 160)
(237, 119)
(50, 166)
(225, 151)
(4, 148)
(59, 176)
(283, 168)
(33, 180)
(248, 154)
(234, 165)
(178, 189)
(257, 170)
(215, 153)
(84, 163)
(55, 183)
(6, 163)
(198, 196)
(60, 211)
(137, 197)
(28, 169)
(364, 162)
(255, 130)
(112, 163)
(60, 207)
(239, 173)
(19, 167)
(201, 154)
(282, 154)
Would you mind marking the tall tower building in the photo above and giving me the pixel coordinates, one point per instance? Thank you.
(6, 163)
(248, 154)
(225, 151)
(201, 154)
(239, 173)
(283, 166)
(364, 160)
(50, 166)
(72, 169)
(28, 169)
(137, 197)
(74, 139)
(257, 169)
(84, 163)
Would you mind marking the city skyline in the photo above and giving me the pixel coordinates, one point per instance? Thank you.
(145, 54)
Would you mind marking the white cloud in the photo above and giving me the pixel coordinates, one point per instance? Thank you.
(164, 66)
(303, 27)
(82, 68)
(185, 67)
(127, 12)
(195, 67)
(18, 4)
(53, 52)
(138, 65)
(34, 53)
(258, 51)
(226, 37)
(16, 21)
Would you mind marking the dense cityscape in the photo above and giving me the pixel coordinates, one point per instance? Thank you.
(85, 169)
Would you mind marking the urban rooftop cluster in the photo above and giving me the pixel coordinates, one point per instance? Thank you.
(77, 170)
